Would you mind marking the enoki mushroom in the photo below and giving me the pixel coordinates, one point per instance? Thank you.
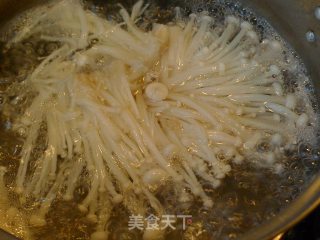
(135, 109)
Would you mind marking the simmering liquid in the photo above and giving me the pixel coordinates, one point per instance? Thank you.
(247, 197)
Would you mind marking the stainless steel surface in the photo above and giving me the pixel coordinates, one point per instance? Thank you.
(292, 19)
(6, 236)
(317, 13)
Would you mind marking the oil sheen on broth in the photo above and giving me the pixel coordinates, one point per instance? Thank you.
(248, 194)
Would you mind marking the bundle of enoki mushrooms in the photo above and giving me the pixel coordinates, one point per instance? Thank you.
(134, 109)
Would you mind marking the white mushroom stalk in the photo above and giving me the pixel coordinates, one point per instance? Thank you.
(136, 109)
